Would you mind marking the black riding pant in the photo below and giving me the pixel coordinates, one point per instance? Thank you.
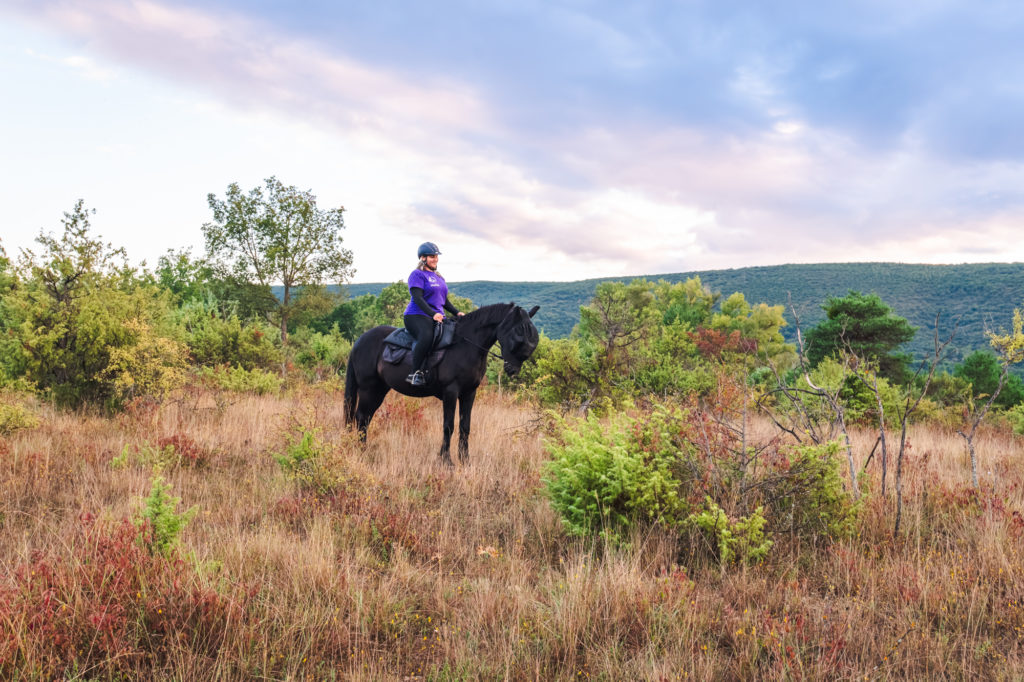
(422, 329)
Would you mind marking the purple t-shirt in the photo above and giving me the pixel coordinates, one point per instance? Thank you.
(435, 291)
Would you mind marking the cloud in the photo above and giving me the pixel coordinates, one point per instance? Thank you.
(632, 138)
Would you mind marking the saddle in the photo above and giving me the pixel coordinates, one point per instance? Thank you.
(398, 344)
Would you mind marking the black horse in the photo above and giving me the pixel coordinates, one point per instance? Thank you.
(455, 379)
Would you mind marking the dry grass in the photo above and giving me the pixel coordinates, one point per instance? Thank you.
(409, 570)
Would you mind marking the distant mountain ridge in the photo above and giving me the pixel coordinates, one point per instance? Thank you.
(981, 294)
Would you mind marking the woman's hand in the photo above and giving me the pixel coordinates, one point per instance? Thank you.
(438, 317)
(461, 314)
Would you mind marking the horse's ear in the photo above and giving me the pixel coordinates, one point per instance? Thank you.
(533, 310)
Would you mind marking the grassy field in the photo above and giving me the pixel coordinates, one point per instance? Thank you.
(384, 565)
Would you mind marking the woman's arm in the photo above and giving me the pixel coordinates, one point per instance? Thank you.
(450, 308)
(421, 303)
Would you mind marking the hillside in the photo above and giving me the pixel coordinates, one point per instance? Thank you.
(981, 294)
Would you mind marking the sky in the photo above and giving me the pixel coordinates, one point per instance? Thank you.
(554, 140)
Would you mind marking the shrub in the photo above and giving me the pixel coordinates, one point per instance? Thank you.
(159, 523)
(1015, 418)
(739, 541)
(312, 464)
(169, 452)
(15, 416)
(216, 338)
(322, 355)
(691, 469)
(82, 326)
(242, 380)
(603, 480)
(809, 499)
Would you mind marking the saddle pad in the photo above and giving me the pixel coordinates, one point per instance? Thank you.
(394, 355)
(444, 336)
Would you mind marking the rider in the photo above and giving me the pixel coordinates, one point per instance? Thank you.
(429, 294)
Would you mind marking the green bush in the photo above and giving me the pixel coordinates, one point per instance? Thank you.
(603, 479)
(159, 522)
(739, 541)
(215, 339)
(321, 354)
(1015, 417)
(15, 416)
(312, 464)
(691, 470)
(810, 499)
(240, 380)
(84, 328)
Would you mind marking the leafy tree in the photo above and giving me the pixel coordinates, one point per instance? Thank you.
(312, 302)
(345, 317)
(277, 236)
(614, 330)
(983, 369)
(6, 275)
(761, 323)
(82, 327)
(866, 326)
(200, 280)
(687, 303)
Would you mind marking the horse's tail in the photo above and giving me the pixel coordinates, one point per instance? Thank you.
(351, 387)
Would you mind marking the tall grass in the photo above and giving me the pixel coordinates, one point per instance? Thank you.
(401, 568)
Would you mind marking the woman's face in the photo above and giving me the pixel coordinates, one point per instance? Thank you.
(432, 262)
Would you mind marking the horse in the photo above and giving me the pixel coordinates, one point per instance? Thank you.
(454, 380)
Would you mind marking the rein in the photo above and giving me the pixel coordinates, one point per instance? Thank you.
(488, 351)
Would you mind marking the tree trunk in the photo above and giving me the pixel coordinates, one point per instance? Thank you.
(284, 314)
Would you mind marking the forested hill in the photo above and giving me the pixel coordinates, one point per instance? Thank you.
(982, 294)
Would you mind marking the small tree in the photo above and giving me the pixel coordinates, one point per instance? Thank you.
(984, 369)
(278, 236)
(1010, 347)
(867, 327)
(81, 326)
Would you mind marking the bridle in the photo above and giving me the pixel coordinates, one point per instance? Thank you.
(488, 351)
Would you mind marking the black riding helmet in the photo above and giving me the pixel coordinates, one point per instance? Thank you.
(428, 249)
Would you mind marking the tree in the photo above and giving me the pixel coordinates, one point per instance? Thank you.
(984, 370)
(277, 236)
(867, 327)
(614, 329)
(82, 327)
(1010, 347)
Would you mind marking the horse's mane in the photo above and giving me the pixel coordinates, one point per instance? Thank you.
(489, 314)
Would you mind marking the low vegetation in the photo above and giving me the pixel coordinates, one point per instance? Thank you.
(394, 567)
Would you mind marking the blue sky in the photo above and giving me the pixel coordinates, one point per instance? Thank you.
(531, 140)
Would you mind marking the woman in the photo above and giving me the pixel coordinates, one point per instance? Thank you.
(429, 294)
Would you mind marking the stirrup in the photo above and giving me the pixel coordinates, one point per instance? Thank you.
(417, 378)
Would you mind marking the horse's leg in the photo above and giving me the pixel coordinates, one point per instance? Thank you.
(448, 399)
(370, 398)
(465, 414)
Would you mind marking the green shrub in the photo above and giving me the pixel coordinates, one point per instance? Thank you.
(242, 380)
(159, 522)
(692, 470)
(810, 499)
(15, 416)
(214, 338)
(84, 328)
(1015, 418)
(604, 479)
(322, 355)
(739, 541)
(312, 464)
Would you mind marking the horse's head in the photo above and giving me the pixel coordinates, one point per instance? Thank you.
(518, 338)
